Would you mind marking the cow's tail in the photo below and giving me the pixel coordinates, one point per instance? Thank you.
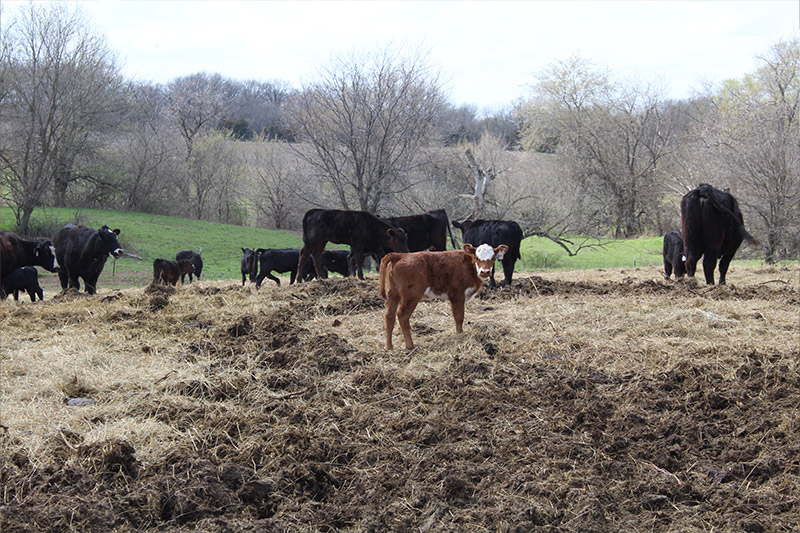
(385, 271)
(708, 193)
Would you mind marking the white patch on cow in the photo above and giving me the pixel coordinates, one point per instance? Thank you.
(430, 294)
(484, 252)
(53, 252)
(470, 293)
(683, 258)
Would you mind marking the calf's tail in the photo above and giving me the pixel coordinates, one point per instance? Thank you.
(385, 271)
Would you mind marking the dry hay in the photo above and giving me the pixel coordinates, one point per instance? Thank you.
(574, 401)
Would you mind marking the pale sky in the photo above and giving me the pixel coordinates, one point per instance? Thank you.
(487, 52)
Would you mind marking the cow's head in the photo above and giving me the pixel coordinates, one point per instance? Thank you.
(397, 240)
(110, 244)
(45, 255)
(485, 256)
(186, 266)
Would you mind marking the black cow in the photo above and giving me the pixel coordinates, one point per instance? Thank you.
(363, 231)
(168, 272)
(286, 260)
(249, 264)
(16, 252)
(494, 233)
(427, 231)
(712, 226)
(22, 279)
(276, 260)
(673, 255)
(82, 253)
(338, 261)
(196, 261)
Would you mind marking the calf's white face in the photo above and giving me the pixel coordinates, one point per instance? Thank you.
(486, 256)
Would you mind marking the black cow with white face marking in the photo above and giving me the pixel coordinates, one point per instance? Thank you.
(22, 279)
(16, 252)
(673, 255)
(494, 233)
(82, 253)
(363, 231)
(712, 226)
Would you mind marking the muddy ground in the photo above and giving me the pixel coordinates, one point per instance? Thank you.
(574, 402)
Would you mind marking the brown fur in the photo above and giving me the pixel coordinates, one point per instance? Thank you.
(405, 278)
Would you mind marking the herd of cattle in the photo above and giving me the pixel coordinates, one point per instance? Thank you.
(411, 250)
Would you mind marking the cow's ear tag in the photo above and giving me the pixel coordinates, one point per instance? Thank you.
(683, 258)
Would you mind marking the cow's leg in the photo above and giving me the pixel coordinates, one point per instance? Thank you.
(358, 256)
(292, 276)
(709, 264)
(724, 263)
(404, 312)
(457, 306)
(389, 319)
(492, 283)
(74, 283)
(16, 295)
(90, 284)
(274, 278)
(63, 278)
(40, 292)
(691, 264)
(668, 268)
(508, 269)
(32, 293)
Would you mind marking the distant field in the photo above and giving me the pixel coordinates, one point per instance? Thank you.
(153, 236)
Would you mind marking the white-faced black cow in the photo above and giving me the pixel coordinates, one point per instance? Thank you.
(494, 233)
(22, 279)
(166, 272)
(196, 261)
(16, 252)
(713, 227)
(673, 255)
(82, 253)
(363, 231)
(249, 264)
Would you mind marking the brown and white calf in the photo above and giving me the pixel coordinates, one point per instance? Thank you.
(405, 279)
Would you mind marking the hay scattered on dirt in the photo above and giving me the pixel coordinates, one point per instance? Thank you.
(574, 401)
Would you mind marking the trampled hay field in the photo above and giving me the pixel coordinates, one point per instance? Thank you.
(575, 401)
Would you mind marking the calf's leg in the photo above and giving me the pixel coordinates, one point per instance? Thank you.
(404, 317)
(457, 306)
(389, 318)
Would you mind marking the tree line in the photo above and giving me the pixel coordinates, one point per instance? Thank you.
(582, 153)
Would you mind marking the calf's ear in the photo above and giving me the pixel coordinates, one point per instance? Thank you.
(469, 248)
(116, 231)
(500, 251)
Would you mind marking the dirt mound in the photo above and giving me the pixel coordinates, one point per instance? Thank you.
(583, 405)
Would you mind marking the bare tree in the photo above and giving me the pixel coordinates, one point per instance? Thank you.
(197, 103)
(62, 85)
(613, 138)
(754, 130)
(276, 179)
(365, 118)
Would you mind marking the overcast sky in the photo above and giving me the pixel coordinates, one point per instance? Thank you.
(487, 51)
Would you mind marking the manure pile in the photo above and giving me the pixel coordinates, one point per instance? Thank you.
(574, 402)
